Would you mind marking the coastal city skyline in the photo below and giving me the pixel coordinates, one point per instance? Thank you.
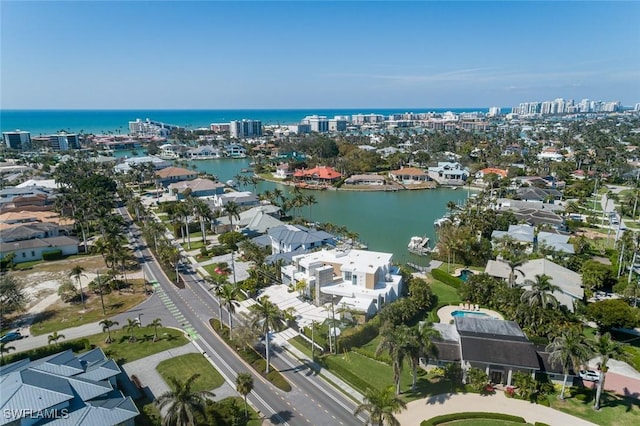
(275, 55)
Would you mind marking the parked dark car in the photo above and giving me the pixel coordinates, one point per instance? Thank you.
(11, 336)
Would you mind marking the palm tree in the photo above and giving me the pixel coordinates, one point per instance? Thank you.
(244, 386)
(421, 345)
(183, 403)
(4, 348)
(382, 405)
(606, 348)
(541, 293)
(155, 324)
(514, 266)
(233, 211)
(266, 317)
(310, 200)
(228, 297)
(570, 350)
(395, 341)
(132, 324)
(106, 328)
(54, 337)
(76, 272)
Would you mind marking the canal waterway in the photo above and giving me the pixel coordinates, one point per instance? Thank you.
(384, 221)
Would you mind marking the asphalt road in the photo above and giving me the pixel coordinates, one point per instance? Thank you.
(311, 400)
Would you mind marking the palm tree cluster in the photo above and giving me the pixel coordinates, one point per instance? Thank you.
(296, 202)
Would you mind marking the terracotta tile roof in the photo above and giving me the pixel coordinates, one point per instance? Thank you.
(494, 170)
(409, 171)
(320, 172)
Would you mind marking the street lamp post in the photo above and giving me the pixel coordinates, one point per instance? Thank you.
(140, 320)
(101, 292)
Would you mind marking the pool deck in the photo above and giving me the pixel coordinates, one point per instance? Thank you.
(444, 313)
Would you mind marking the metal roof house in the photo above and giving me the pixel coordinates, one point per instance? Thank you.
(64, 389)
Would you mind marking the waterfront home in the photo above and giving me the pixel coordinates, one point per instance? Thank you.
(449, 173)
(409, 176)
(569, 282)
(169, 175)
(283, 171)
(500, 173)
(169, 151)
(240, 198)
(254, 221)
(526, 234)
(320, 175)
(236, 151)
(497, 347)
(371, 180)
(538, 194)
(65, 389)
(128, 163)
(204, 152)
(197, 188)
(289, 238)
(358, 280)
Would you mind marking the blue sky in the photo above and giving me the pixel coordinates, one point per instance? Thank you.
(63, 54)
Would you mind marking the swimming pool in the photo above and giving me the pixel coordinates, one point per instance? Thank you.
(465, 274)
(468, 314)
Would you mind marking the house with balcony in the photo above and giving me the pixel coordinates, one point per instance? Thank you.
(358, 280)
(449, 173)
(409, 175)
(320, 175)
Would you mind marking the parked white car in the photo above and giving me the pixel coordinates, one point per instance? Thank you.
(590, 375)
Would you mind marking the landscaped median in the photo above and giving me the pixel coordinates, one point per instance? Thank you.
(251, 357)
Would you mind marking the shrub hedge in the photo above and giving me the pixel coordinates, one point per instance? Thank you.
(52, 254)
(37, 353)
(471, 415)
(446, 278)
(359, 336)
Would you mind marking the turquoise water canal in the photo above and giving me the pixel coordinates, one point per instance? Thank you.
(384, 221)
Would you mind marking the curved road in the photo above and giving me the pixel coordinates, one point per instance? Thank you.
(311, 401)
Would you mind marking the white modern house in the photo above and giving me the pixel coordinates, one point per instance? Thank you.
(449, 173)
(358, 280)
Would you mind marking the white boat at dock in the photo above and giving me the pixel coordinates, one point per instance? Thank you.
(419, 246)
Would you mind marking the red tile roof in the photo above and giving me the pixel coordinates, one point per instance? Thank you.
(320, 172)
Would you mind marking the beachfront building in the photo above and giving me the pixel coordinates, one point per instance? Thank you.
(319, 175)
(19, 140)
(409, 176)
(317, 123)
(65, 389)
(358, 280)
(169, 175)
(150, 128)
(63, 142)
(449, 173)
(245, 128)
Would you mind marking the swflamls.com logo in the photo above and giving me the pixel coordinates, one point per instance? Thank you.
(28, 413)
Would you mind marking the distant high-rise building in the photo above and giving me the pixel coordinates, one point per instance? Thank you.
(64, 142)
(637, 107)
(318, 123)
(494, 111)
(17, 140)
(245, 128)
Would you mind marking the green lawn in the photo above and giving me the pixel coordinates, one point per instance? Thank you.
(61, 316)
(124, 351)
(446, 293)
(482, 422)
(184, 366)
(615, 410)
(194, 245)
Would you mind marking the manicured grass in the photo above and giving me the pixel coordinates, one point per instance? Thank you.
(184, 366)
(446, 294)
(124, 351)
(302, 345)
(61, 316)
(211, 269)
(614, 411)
(194, 245)
(27, 265)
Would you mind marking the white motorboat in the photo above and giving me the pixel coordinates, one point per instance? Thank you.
(419, 246)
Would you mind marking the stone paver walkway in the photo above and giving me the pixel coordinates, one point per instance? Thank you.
(437, 405)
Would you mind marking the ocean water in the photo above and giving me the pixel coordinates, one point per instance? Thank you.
(40, 122)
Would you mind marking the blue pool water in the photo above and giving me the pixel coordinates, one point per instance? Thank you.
(465, 274)
(468, 314)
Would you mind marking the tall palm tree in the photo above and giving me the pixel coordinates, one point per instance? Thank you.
(421, 344)
(266, 317)
(541, 293)
(106, 328)
(233, 212)
(155, 324)
(571, 350)
(382, 405)
(244, 386)
(228, 297)
(514, 266)
(132, 324)
(310, 200)
(606, 348)
(76, 272)
(183, 403)
(395, 341)
(54, 337)
(4, 348)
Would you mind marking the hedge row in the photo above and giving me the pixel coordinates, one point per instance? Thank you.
(52, 254)
(78, 345)
(345, 373)
(446, 278)
(471, 415)
(359, 336)
(253, 358)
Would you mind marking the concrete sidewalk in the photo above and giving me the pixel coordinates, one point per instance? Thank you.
(437, 405)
